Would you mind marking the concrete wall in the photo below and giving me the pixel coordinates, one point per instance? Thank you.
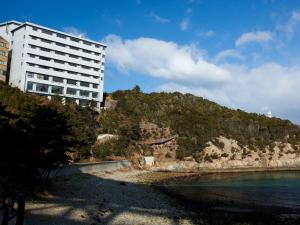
(17, 70)
(91, 167)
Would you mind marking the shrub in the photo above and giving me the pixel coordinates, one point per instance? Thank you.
(224, 155)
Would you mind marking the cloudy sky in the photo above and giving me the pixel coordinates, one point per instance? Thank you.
(241, 54)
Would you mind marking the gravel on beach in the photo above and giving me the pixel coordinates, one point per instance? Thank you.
(113, 198)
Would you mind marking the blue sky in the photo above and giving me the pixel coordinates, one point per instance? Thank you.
(242, 54)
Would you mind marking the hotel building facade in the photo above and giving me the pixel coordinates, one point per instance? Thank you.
(52, 63)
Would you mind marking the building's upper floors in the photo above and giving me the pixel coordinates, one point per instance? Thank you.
(4, 46)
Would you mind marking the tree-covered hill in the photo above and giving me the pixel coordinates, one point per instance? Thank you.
(194, 119)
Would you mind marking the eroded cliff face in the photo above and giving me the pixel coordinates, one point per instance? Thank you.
(226, 153)
(162, 143)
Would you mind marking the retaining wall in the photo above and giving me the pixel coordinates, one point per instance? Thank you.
(91, 167)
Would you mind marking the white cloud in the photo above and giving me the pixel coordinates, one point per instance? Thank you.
(158, 18)
(185, 68)
(258, 36)
(162, 59)
(74, 31)
(184, 24)
(270, 86)
(228, 53)
(207, 34)
(289, 28)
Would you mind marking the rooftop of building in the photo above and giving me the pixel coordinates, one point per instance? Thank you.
(49, 29)
(10, 22)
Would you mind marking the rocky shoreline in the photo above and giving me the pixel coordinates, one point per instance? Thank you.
(140, 197)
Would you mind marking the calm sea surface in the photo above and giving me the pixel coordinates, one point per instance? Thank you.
(262, 188)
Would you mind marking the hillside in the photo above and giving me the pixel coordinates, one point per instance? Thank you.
(199, 125)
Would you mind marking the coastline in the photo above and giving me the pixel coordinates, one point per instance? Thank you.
(226, 170)
(131, 196)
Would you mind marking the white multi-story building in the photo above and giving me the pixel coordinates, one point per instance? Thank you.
(49, 62)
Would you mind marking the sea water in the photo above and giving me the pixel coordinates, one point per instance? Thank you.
(280, 189)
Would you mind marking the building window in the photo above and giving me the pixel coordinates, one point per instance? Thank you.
(84, 93)
(72, 64)
(71, 91)
(86, 59)
(74, 48)
(45, 58)
(61, 36)
(87, 43)
(85, 67)
(35, 28)
(30, 74)
(46, 41)
(2, 44)
(74, 39)
(42, 77)
(47, 32)
(58, 79)
(58, 70)
(2, 53)
(29, 86)
(2, 62)
(44, 67)
(86, 51)
(42, 87)
(73, 56)
(59, 44)
(83, 102)
(59, 53)
(95, 94)
(84, 84)
(45, 49)
(3, 72)
(73, 82)
(59, 61)
(71, 72)
(57, 90)
(70, 100)
(95, 86)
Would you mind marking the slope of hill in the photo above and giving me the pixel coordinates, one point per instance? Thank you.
(206, 131)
